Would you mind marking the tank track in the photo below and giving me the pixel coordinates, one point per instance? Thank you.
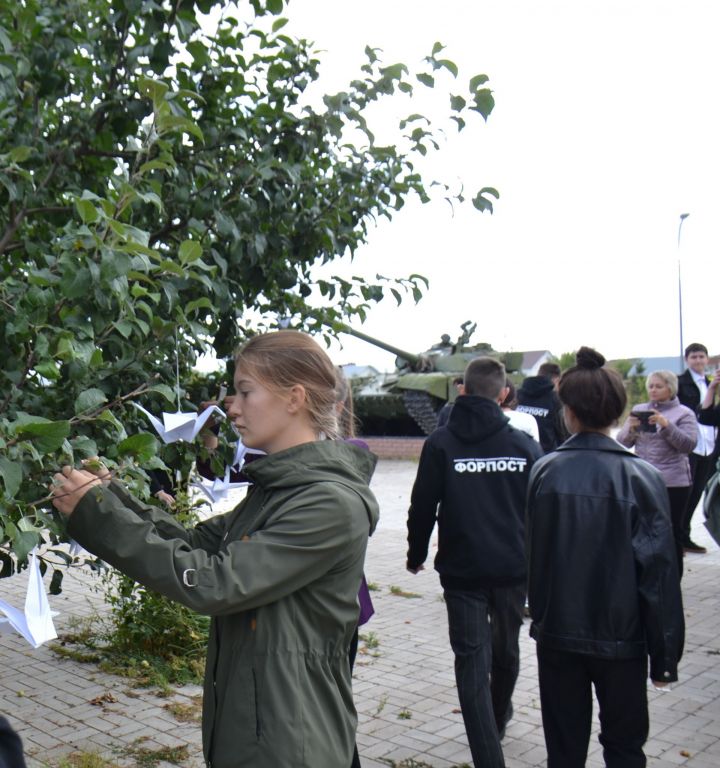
(423, 409)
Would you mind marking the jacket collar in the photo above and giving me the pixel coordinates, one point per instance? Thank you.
(592, 441)
(666, 405)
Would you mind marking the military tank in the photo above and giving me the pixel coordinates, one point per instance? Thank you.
(421, 383)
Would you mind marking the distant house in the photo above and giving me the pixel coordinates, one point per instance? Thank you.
(532, 361)
(353, 371)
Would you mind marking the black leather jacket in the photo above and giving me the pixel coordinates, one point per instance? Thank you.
(603, 577)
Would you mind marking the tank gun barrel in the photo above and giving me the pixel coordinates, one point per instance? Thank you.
(411, 358)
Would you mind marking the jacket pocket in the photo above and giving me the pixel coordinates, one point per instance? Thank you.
(256, 692)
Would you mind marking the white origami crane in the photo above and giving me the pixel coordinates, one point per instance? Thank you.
(35, 623)
(180, 426)
(219, 488)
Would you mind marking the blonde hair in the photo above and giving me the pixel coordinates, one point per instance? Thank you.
(344, 404)
(281, 359)
(668, 377)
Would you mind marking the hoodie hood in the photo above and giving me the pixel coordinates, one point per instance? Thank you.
(474, 418)
(536, 387)
(322, 461)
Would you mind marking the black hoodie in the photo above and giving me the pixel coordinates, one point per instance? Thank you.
(473, 477)
(537, 397)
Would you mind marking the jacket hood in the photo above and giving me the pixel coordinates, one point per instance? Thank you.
(322, 461)
(592, 441)
(536, 386)
(474, 418)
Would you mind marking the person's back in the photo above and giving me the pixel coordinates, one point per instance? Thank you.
(472, 478)
(485, 465)
(589, 503)
(537, 397)
(604, 593)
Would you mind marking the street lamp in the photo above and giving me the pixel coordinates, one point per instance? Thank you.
(683, 216)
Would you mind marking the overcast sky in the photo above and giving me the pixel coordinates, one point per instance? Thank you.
(606, 129)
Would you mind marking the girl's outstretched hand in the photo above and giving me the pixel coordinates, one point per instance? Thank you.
(69, 486)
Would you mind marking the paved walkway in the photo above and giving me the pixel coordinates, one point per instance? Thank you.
(404, 684)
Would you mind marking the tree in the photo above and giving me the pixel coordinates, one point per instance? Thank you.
(158, 181)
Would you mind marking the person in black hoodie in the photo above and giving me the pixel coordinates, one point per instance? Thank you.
(537, 396)
(472, 478)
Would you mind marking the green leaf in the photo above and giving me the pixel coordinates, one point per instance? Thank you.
(24, 542)
(124, 328)
(167, 392)
(201, 302)
(426, 79)
(154, 89)
(457, 103)
(88, 212)
(110, 417)
(451, 66)
(48, 370)
(484, 102)
(89, 399)
(189, 251)
(55, 587)
(141, 446)
(19, 154)
(482, 203)
(477, 81)
(12, 474)
(47, 436)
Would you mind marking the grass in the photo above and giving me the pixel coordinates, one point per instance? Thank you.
(87, 645)
(186, 713)
(370, 639)
(373, 586)
(86, 760)
(404, 714)
(150, 758)
(400, 592)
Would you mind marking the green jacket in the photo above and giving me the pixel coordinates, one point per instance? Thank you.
(280, 576)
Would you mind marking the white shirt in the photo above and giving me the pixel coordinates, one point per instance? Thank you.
(706, 434)
(525, 422)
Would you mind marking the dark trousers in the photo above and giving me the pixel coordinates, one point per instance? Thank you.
(678, 504)
(701, 468)
(352, 654)
(484, 635)
(566, 681)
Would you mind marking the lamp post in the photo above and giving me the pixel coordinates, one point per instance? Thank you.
(683, 216)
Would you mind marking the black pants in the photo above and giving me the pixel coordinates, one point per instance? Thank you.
(352, 653)
(678, 504)
(566, 681)
(484, 635)
(701, 467)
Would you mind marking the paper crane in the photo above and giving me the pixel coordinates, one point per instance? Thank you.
(219, 488)
(180, 426)
(35, 623)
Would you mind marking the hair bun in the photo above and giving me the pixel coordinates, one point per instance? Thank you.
(589, 359)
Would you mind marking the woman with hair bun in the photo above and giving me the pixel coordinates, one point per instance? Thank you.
(279, 574)
(664, 432)
(604, 593)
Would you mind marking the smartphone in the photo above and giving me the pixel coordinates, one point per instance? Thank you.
(644, 417)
